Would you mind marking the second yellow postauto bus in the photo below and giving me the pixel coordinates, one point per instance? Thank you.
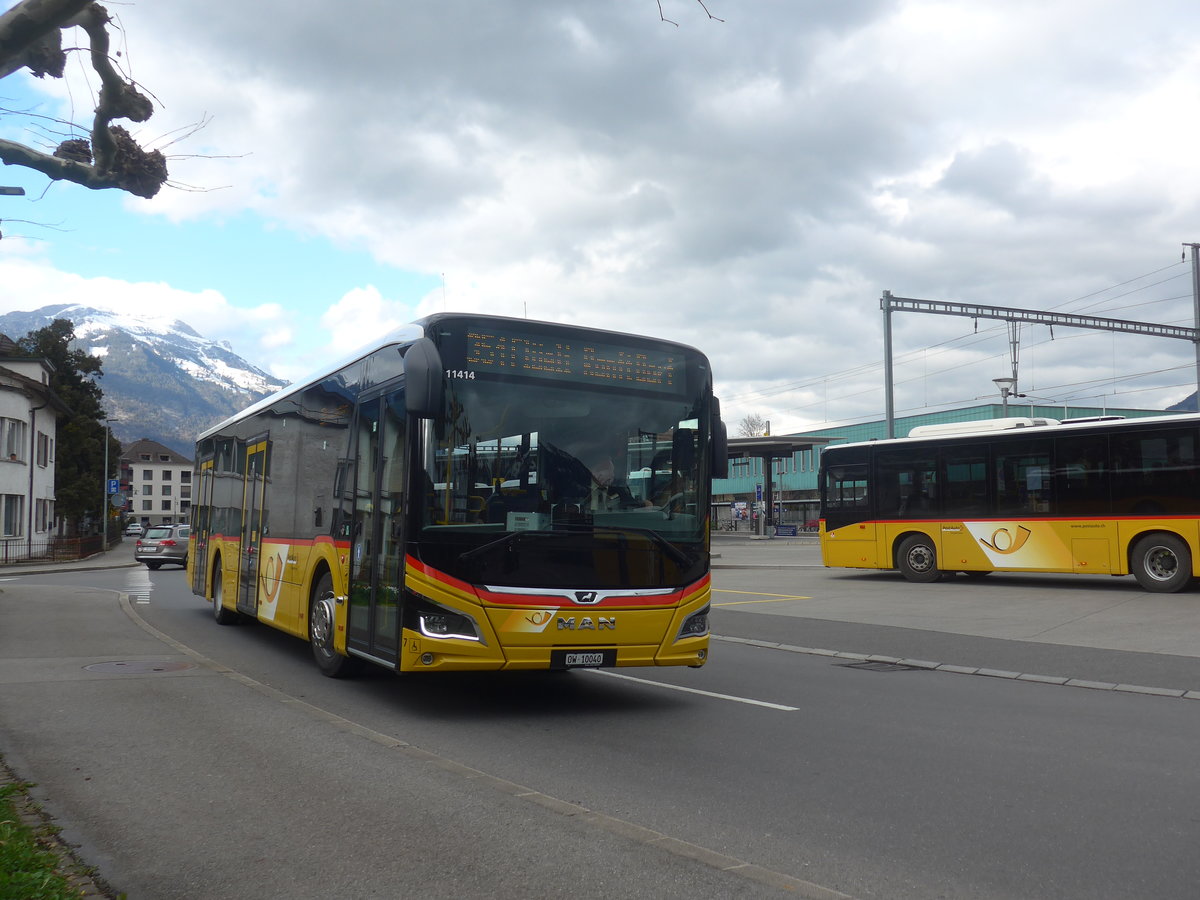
(1089, 497)
(472, 493)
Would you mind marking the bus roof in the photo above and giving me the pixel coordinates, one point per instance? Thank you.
(408, 333)
(402, 335)
(974, 427)
(983, 428)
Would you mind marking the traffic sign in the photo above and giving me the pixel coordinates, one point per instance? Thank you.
(114, 485)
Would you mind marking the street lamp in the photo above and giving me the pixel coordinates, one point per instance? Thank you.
(104, 479)
(1007, 388)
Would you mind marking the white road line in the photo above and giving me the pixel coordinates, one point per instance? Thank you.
(676, 687)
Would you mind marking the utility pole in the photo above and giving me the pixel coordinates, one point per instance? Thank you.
(1196, 310)
(890, 303)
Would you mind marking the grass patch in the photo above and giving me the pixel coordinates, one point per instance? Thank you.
(29, 856)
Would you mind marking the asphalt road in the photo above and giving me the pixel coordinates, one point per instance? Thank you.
(216, 762)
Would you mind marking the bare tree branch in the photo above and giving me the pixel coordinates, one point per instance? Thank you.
(31, 36)
(676, 24)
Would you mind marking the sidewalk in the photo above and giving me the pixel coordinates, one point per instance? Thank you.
(118, 556)
(734, 550)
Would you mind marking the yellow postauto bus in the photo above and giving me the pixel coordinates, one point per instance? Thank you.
(1102, 497)
(471, 493)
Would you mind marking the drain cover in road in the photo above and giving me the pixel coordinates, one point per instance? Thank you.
(137, 667)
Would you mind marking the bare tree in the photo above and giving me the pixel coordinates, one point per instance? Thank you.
(676, 24)
(31, 37)
(753, 425)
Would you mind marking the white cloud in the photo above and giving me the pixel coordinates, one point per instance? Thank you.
(750, 186)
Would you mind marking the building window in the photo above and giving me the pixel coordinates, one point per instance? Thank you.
(147, 474)
(13, 514)
(13, 437)
(147, 506)
(147, 490)
(166, 490)
(43, 449)
(43, 515)
(166, 475)
(185, 477)
(166, 506)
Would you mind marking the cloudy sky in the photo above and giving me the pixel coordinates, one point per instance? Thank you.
(749, 185)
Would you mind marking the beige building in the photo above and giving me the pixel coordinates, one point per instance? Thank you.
(157, 482)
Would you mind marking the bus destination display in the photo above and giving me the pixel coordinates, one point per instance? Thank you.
(585, 360)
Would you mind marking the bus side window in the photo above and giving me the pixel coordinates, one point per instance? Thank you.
(1022, 478)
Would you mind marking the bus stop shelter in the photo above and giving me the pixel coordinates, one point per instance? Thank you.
(770, 448)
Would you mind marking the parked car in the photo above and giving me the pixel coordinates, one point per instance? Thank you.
(163, 544)
(134, 529)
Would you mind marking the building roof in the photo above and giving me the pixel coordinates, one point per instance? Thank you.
(135, 450)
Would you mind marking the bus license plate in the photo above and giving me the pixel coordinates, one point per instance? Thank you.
(582, 659)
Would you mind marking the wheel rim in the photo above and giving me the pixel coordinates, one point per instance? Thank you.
(320, 625)
(218, 593)
(920, 558)
(1161, 563)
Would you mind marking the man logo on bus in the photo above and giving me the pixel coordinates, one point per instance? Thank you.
(586, 596)
(1003, 542)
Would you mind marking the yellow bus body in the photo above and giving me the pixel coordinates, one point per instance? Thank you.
(1082, 546)
(518, 631)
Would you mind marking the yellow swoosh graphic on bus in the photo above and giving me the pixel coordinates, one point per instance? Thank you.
(1003, 541)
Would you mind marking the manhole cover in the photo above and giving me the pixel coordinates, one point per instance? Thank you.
(137, 667)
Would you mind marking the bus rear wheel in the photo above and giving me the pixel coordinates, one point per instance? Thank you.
(1162, 563)
(321, 626)
(917, 560)
(223, 615)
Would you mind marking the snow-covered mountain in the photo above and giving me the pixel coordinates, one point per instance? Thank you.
(162, 380)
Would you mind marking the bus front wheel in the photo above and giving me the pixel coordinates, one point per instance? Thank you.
(1162, 563)
(917, 559)
(321, 626)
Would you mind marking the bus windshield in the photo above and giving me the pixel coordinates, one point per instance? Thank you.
(552, 461)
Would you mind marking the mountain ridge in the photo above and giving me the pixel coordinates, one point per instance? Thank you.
(162, 379)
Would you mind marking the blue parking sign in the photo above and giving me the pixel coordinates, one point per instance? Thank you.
(114, 485)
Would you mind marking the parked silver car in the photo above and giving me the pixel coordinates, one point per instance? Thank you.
(134, 529)
(163, 544)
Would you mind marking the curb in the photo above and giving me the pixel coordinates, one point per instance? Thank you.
(928, 665)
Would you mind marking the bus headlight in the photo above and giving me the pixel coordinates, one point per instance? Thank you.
(436, 621)
(695, 625)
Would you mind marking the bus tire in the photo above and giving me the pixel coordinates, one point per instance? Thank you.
(1161, 563)
(221, 613)
(321, 618)
(917, 560)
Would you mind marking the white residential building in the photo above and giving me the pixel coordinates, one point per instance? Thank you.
(157, 481)
(29, 413)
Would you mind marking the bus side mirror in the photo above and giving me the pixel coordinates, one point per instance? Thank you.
(720, 450)
(423, 385)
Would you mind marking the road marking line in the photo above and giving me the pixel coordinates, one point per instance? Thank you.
(775, 598)
(688, 690)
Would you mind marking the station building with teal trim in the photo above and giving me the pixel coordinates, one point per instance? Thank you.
(789, 482)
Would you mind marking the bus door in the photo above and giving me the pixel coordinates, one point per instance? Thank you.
(377, 541)
(201, 527)
(254, 521)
